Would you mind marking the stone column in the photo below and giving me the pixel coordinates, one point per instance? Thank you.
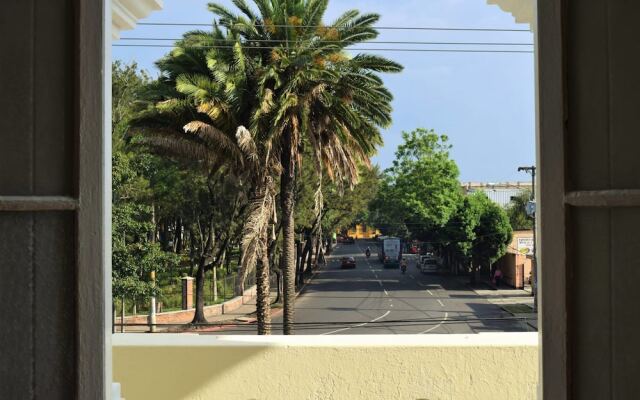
(187, 293)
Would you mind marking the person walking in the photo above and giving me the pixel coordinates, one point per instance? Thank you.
(497, 277)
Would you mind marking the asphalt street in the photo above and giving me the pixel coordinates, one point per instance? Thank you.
(373, 300)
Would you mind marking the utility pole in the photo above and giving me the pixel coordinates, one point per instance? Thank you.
(534, 260)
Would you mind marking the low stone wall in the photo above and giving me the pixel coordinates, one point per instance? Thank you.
(186, 316)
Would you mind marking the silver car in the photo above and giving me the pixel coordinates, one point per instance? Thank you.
(428, 265)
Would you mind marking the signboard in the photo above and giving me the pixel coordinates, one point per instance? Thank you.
(525, 245)
(530, 208)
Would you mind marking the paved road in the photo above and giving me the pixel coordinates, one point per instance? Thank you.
(373, 300)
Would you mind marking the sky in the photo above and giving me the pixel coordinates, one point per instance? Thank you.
(484, 102)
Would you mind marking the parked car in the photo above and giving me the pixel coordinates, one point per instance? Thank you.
(428, 264)
(348, 262)
(349, 240)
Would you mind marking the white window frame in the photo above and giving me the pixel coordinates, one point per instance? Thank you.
(94, 215)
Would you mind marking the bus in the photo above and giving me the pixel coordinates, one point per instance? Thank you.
(389, 251)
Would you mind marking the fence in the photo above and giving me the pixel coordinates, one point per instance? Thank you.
(220, 291)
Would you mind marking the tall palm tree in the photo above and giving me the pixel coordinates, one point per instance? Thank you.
(200, 105)
(312, 88)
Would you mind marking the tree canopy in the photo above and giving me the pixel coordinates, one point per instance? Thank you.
(516, 210)
(421, 191)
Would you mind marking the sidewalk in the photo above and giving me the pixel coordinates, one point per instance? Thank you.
(518, 302)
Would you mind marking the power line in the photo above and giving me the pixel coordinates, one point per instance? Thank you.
(353, 49)
(409, 28)
(337, 41)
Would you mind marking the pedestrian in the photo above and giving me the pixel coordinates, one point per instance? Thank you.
(497, 277)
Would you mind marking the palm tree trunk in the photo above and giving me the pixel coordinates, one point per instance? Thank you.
(263, 300)
(307, 254)
(300, 257)
(288, 263)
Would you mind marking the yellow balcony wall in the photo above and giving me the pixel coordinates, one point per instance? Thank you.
(485, 366)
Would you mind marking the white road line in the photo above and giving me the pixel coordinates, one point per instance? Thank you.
(446, 315)
(441, 303)
(422, 284)
(380, 283)
(412, 277)
(385, 292)
(430, 293)
(358, 325)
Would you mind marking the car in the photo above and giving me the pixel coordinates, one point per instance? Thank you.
(349, 240)
(348, 262)
(428, 264)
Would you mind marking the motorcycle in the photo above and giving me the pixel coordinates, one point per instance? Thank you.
(368, 253)
(403, 267)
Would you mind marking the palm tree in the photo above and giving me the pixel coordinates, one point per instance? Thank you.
(200, 104)
(312, 91)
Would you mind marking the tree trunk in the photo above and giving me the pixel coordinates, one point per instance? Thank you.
(198, 317)
(278, 285)
(472, 278)
(122, 306)
(288, 260)
(317, 253)
(263, 300)
(241, 276)
(177, 244)
(227, 263)
(304, 253)
(214, 272)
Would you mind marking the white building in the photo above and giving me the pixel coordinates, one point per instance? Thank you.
(500, 193)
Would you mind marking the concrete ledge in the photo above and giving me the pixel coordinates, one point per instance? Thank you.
(492, 366)
(498, 339)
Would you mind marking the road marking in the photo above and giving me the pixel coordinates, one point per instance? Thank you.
(379, 282)
(441, 303)
(430, 293)
(446, 315)
(358, 325)
(412, 277)
(385, 292)
(422, 284)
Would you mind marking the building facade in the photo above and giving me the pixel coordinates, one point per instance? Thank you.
(500, 193)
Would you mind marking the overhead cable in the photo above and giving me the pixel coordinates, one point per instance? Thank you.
(408, 28)
(352, 49)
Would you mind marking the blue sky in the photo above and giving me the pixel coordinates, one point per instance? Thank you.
(483, 102)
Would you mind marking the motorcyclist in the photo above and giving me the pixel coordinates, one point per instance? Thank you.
(367, 252)
(403, 265)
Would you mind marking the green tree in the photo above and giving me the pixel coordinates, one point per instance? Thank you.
(493, 235)
(478, 233)
(421, 191)
(135, 253)
(516, 210)
(310, 88)
(200, 108)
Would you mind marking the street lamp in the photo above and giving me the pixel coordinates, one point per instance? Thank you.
(534, 267)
